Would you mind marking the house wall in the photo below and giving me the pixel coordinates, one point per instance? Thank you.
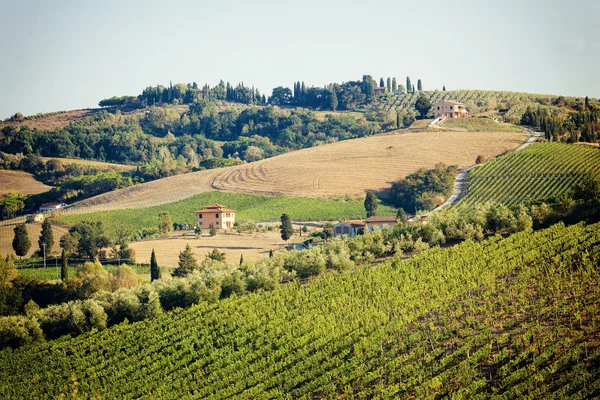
(450, 110)
(380, 225)
(344, 230)
(218, 220)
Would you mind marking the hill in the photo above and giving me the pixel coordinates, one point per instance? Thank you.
(21, 182)
(50, 121)
(496, 318)
(92, 163)
(346, 167)
(540, 171)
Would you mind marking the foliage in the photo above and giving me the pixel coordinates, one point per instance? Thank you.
(423, 104)
(154, 269)
(165, 223)
(11, 204)
(64, 266)
(46, 236)
(286, 228)
(371, 204)
(216, 255)
(418, 191)
(444, 318)
(187, 262)
(21, 243)
(87, 238)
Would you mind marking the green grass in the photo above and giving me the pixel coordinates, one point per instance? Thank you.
(478, 125)
(495, 319)
(249, 208)
(540, 171)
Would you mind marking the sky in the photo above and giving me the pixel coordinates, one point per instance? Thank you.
(61, 55)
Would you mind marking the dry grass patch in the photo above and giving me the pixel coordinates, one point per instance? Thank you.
(347, 167)
(34, 230)
(96, 164)
(22, 182)
(253, 246)
(51, 122)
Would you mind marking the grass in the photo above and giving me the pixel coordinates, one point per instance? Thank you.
(540, 171)
(478, 125)
(33, 230)
(346, 167)
(21, 182)
(96, 164)
(249, 208)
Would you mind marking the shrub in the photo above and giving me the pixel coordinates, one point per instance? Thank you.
(18, 331)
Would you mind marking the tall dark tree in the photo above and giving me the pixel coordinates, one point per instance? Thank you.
(419, 85)
(381, 83)
(408, 85)
(187, 262)
(154, 270)
(334, 99)
(401, 216)
(413, 89)
(64, 266)
(423, 105)
(371, 204)
(286, 228)
(444, 88)
(241, 260)
(21, 242)
(46, 236)
(368, 87)
(389, 84)
(394, 84)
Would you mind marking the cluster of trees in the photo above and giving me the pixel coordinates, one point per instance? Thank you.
(424, 189)
(579, 126)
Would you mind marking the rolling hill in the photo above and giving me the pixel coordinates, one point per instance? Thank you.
(540, 171)
(346, 167)
(21, 182)
(478, 320)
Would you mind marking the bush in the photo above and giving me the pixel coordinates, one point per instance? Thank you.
(19, 331)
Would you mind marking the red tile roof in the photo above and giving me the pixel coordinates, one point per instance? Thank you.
(386, 218)
(215, 208)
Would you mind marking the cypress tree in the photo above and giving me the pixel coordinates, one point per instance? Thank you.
(413, 90)
(286, 228)
(271, 253)
(46, 236)
(419, 85)
(64, 266)
(370, 204)
(381, 83)
(334, 100)
(408, 85)
(154, 270)
(21, 243)
(241, 260)
(444, 88)
(394, 84)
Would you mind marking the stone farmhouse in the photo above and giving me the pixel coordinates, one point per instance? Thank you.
(216, 215)
(449, 109)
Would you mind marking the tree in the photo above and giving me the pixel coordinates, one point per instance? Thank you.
(381, 83)
(126, 253)
(389, 84)
(271, 253)
(401, 216)
(216, 255)
(11, 204)
(198, 231)
(212, 231)
(423, 105)
(154, 270)
(87, 238)
(8, 272)
(370, 204)
(187, 263)
(281, 96)
(327, 232)
(334, 100)
(21, 242)
(419, 85)
(286, 228)
(394, 84)
(241, 260)
(408, 85)
(165, 223)
(64, 266)
(368, 87)
(444, 88)
(46, 236)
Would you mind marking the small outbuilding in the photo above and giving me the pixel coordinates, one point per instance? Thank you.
(348, 228)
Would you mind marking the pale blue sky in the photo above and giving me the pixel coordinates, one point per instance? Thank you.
(58, 55)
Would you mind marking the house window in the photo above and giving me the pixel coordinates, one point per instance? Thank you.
(200, 223)
(199, 216)
(451, 107)
(346, 229)
(338, 230)
(438, 107)
(217, 215)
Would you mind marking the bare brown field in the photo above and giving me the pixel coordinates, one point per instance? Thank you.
(347, 167)
(51, 122)
(34, 230)
(22, 182)
(253, 246)
(91, 163)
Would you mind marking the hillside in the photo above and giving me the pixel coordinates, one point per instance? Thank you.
(540, 171)
(50, 121)
(21, 182)
(346, 167)
(96, 164)
(495, 318)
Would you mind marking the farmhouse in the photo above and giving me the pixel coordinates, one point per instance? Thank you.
(216, 215)
(449, 109)
(380, 222)
(49, 207)
(348, 228)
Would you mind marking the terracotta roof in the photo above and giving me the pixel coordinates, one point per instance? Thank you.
(386, 218)
(352, 222)
(215, 208)
(451, 102)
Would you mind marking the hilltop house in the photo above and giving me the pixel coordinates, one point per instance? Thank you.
(449, 109)
(31, 218)
(216, 215)
(380, 90)
(348, 228)
(49, 207)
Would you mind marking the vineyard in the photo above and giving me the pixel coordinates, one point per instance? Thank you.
(249, 208)
(513, 318)
(540, 171)
(516, 101)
